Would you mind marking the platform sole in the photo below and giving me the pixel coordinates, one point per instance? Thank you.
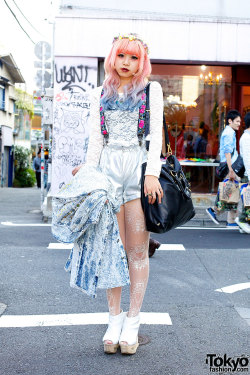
(110, 348)
(129, 349)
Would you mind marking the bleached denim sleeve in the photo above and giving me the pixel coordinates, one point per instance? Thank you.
(229, 143)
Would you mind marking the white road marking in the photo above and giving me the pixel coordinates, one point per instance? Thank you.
(233, 288)
(175, 246)
(244, 312)
(21, 321)
(2, 308)
(9, 223)
(207, 228)
(60, 245)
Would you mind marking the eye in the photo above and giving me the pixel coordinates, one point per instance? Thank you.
(120, 55)
(134, 57)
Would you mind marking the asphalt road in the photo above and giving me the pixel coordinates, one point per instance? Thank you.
(182, 283)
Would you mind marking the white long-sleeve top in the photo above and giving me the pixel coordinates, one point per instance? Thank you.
(122, 128)
(245, 151)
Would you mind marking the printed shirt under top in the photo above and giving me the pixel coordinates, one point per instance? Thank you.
(228, 144)
(122, 128)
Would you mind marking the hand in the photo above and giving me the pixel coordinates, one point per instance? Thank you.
(232, 176)
(152, 187)
(76, 169)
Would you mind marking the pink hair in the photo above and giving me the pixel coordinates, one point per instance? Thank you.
(112, 81)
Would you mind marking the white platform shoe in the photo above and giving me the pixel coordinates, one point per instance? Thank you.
(129, 335)
(113, 332)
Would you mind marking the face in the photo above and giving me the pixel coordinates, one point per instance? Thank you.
(126, 65)
(235, 124)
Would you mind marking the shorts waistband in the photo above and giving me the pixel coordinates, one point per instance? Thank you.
(125, 148)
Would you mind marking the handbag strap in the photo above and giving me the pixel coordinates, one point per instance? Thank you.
(147, 123)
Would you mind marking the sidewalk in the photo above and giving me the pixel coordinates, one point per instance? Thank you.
(20, 205)
(24, 205)
(201, 219)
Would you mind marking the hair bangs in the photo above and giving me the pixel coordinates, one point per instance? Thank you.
(131, 47)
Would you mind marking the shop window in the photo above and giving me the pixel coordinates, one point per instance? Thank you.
(245, 100)
(2, 98)
(21, 125)
(196, 100)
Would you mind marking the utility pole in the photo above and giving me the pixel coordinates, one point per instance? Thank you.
(43, 81)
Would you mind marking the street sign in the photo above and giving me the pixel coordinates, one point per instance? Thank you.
(43, 79)
(43, 50)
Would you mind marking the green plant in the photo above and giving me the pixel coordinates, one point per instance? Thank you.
(16, 183)
(25, 101)
(22, 157)
(25, 178)
(24, 175)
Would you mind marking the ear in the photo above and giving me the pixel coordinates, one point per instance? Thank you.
(230, 121)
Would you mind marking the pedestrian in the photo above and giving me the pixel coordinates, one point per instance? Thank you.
(243, 219)
(46, 168)
(37, 168)
(228, 154)
(119, 152)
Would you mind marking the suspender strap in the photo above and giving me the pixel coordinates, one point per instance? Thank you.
(147, 115)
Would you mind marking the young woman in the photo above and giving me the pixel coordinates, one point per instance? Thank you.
(114, 147)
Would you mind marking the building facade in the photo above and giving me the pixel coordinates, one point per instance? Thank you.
(9, 75)
(199, 54)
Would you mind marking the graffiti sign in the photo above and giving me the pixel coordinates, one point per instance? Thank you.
(75, 77)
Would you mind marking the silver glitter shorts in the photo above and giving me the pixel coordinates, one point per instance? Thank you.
(122, 166)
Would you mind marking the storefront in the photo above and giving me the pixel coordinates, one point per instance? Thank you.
(196, 101)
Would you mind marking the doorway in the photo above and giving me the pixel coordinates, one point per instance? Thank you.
(244, 107)
(245, 100)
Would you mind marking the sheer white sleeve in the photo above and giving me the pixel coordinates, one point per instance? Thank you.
(245, 151)
(95, 137)
(156, 121)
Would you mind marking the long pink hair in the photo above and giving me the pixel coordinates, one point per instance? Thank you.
(132, 91)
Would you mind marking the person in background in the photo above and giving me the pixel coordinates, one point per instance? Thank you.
(37, 168)
(46, 160)
(229, 154)
(200, 143)
(245, 153)
(189, 147)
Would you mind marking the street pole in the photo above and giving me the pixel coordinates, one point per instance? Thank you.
(43, 80)
(42, 127)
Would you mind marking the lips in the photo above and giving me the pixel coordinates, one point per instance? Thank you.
(124, 70)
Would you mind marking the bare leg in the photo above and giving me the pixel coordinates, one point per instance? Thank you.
(231, 216)
(137, 240)
(114, 294)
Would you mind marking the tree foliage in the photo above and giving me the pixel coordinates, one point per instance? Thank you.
(24, 175)
(25, 102)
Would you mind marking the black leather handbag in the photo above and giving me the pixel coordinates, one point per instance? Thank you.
(238, 167)
(177, 206)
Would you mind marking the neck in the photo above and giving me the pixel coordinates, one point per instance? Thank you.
(123, 82)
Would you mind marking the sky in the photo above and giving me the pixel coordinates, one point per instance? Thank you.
(37, 20)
